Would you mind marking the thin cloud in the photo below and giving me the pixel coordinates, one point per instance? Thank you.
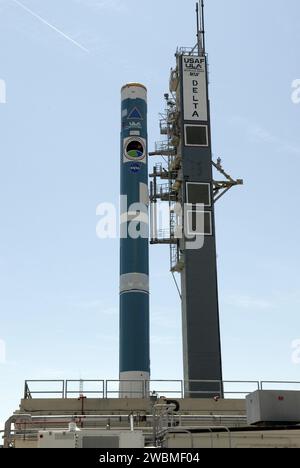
(2, 352)
(165, 340)
(247, 302)
(88, 304)
(115, 5)
(165, 317)
(259, 133)
(51, 26)
(96, 305)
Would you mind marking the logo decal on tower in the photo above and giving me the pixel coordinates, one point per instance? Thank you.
(194, 89)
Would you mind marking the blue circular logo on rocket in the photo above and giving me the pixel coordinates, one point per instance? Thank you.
(135, 149)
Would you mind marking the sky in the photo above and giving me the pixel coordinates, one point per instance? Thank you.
(62, 64)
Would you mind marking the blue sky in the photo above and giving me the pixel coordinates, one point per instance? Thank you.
(59, 151)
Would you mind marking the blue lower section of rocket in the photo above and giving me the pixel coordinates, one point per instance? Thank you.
(134, 332)
(130, 181)
(134, 252)
(134, 256)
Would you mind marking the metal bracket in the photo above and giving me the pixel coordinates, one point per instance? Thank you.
(222, 187)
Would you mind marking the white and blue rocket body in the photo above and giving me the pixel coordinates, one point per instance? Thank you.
(134, 245)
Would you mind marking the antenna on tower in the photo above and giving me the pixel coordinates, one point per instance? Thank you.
(203, 26)
(200, 27)
(199, 41)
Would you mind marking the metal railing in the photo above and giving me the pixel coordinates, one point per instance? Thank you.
(187, 51)
(254, 384)
(29, 392)
(169, 388)
(98, 393)
(112, 389)
(163, 234)
(62, 388)
(277, 385)
(193, 51)
(146, 388)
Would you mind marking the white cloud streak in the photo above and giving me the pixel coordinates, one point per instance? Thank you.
(51, 26)
(259, 133)
(247, 302)
(158, 340)
(115, 5)
(2, 352)
(97, 306)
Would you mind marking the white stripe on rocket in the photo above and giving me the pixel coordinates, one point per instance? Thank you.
(134, 281)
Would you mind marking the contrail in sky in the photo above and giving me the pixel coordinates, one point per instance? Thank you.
(51, 26)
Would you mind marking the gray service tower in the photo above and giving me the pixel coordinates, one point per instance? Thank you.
(189, 187)
(200, 311)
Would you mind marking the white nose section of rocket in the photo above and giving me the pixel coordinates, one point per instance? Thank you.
(134, 91)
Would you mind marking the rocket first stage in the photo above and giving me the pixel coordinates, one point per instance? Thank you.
(134, 244)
